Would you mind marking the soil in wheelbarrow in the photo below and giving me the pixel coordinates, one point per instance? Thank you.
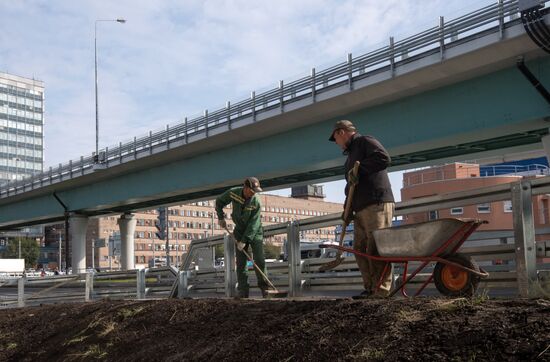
(279, 330)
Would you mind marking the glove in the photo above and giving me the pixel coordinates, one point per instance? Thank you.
(349, 218)
(240, 245)
(222, 223)
(352, 179)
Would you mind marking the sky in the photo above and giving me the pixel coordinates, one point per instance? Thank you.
(174, 59)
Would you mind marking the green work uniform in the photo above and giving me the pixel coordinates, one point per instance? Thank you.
(248, 230)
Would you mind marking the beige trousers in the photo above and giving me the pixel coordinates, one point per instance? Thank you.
(372, 217)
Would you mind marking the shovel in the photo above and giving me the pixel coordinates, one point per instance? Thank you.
(339, 258)
(271, 293)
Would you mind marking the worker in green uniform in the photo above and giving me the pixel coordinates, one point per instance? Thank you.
(248, 230)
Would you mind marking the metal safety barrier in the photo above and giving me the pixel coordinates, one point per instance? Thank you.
(517, 271)
(131, 284)
(516, 251)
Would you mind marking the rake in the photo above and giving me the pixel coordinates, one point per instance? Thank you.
(271, 293)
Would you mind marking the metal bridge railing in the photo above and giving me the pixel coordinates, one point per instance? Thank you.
(491, 18)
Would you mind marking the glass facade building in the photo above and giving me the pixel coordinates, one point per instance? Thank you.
(21, 127)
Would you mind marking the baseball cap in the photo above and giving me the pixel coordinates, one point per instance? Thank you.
(253, 183)
(342, 124)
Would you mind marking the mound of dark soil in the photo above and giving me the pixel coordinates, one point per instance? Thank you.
(279, 330)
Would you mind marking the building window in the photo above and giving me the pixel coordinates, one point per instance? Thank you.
(483, 208)
(457, 211)
(507, 206)
(432, 215)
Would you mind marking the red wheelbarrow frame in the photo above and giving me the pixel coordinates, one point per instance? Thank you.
(460, 236)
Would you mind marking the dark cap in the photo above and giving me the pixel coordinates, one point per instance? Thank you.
(253, 183)
(343, 124)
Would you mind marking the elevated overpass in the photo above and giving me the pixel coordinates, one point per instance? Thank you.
(452, 92)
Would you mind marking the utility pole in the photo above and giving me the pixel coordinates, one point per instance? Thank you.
(177, 246)
(154, 263)
(212, 223)
(162, 226)
(59, 256)
(111, 250)
(167, 245)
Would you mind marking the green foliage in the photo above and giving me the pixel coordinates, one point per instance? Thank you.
(219, 249)
(29, 250)
(271, 251)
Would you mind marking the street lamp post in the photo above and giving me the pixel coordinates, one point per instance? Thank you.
(177, 247)
(154, 263)
(59, 256)
(93, 254)
(122, 21)
(59, 231)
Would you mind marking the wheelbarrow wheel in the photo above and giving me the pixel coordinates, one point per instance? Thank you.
(456, 282)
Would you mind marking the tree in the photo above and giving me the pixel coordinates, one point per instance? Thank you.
(29, 250)
(219, 250)
(271, 251)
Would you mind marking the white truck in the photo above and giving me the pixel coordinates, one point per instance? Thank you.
(10, 268)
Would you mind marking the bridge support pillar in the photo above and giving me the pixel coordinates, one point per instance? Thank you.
(78, 225)
(127, 225)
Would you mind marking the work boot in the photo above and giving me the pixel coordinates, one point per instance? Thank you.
(364, 295)
(242, 293)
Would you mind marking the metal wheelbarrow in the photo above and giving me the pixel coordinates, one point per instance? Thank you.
(432, 241)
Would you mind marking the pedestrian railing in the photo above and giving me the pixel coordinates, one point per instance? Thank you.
(495, 18)
(517, 264)
(139, 284)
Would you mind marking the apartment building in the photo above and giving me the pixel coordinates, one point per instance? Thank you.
(467, 176)
(192, 221)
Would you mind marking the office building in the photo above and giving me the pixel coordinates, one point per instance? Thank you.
(193, 221)
(457, 177)
(21, 127)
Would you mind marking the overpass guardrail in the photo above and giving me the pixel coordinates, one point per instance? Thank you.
(489, 19)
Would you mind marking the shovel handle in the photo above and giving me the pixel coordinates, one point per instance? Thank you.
(347, 208)
(339, 258)
(348, 203)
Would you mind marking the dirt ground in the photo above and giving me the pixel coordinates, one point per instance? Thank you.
(423, 329)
